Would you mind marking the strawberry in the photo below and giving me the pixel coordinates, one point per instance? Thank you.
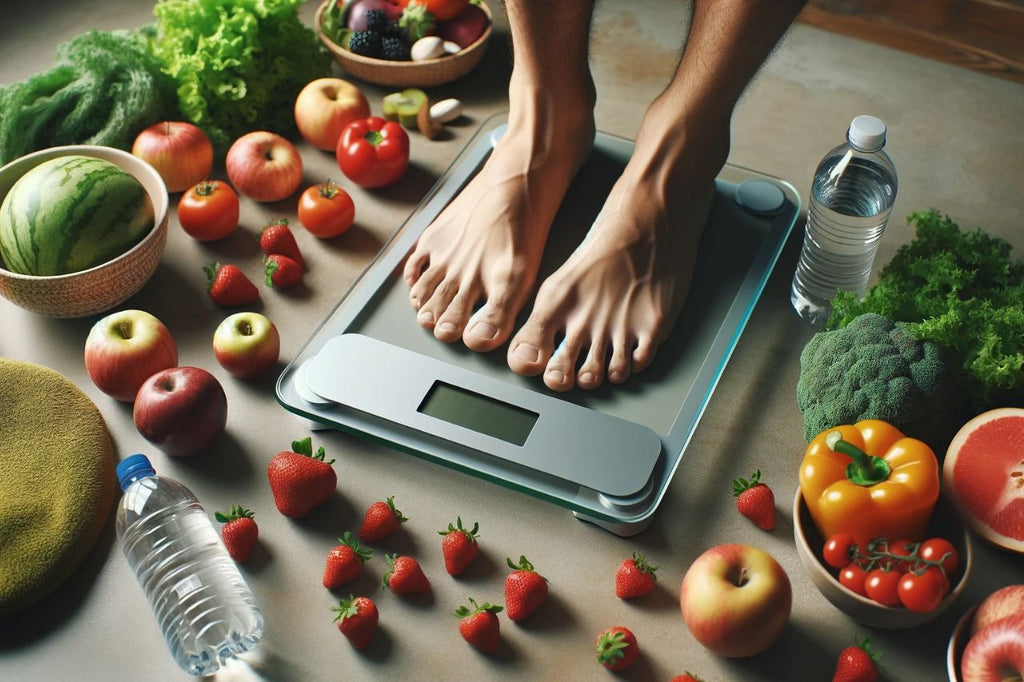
(686, 677)
(277, 237)
(525, 589)
(635, 577)
(857, 663)
(381, 520)
(228, 286)
(616, 648)
(282, 272)
(404, 576)
(300, 480)
(479, 625)
(755, 500)
(357, 619)
(459, 546)
(345, 562)
(239, 532)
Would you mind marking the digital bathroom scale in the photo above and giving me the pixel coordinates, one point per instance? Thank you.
(608, 454)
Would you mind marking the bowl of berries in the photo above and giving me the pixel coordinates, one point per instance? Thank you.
(405, 43)
(888, 583)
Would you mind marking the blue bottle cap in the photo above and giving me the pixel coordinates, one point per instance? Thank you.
(132, 468)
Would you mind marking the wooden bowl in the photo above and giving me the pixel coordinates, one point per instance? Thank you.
(408, 74)
(945, 522)
(104, 286)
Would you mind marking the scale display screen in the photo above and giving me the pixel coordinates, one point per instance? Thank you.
(478, 412)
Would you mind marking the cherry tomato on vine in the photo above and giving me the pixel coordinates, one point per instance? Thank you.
(940, 550)
(921, 592)
(326, 210)
(852, 577)
(882, 586)
(838, 550)
(208, 210)
(903, 552)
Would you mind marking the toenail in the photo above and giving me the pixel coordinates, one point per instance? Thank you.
(484, 330)
(426, 317)
(446, 327)
(587, 378)
(556, 376)
(527, 353)
(615, 376)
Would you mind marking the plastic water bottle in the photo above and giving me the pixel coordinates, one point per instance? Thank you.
(202, 603)
(852, 195)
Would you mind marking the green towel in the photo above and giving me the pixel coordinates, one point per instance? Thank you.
(57, 481)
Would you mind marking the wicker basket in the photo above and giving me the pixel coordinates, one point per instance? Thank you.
(100, 288)
(422, 74)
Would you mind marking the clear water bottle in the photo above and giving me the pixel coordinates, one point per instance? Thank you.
(201, 601)
(852, 196)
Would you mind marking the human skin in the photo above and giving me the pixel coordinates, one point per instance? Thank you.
(616, 298)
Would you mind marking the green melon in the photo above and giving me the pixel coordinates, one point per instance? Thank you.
(72, 213)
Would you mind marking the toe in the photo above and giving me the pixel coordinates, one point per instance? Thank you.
(452, 322)
(620, 364)
(492, 324)
(560, 372)
(435, 306)
(414, 266)
(423, 289)
(591, 372)
(643, 354)
(530, 349)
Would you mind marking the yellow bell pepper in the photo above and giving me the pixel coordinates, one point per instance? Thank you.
(871, 481)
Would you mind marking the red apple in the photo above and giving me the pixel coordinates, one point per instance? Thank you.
(1006, 601)
(264, 166)
(124, 349)
(324, 107)
(996, 652)
(246, 344)
(179, 151)
(735, 600)
(182, 410)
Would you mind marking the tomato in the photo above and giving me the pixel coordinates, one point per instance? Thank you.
(208, 210)
(443, 10)
(853, 577)
(903, 552)
(882, 586)
(921, 592)
(373, 152)
(326, 210)
(940, 550)
(839, 550)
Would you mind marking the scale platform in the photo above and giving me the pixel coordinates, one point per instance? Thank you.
(609, 454)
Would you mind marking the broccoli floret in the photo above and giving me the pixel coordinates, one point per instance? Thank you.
(874, 368)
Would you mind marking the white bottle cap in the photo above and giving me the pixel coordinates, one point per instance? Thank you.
(867, 133)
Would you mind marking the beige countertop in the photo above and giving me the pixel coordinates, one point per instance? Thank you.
(955, 137)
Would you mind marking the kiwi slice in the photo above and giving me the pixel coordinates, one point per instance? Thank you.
(404, 106)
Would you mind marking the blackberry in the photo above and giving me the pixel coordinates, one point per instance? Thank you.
(376, 20)
(395, 49)
(365, 43)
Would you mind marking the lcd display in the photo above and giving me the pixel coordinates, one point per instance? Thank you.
(478, 412)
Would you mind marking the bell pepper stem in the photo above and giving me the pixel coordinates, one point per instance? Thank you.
(865, 469)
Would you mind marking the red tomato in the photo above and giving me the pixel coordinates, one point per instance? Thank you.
(373, 152)
(903, 554)
(208, 210)
(853, 577)
(443, 10)
(326, 210)
(921, 592)
(838, 551)
(882, 586)
(940, 550)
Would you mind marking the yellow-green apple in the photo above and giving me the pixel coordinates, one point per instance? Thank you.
(180, 151)
(1006, 601)
(264, 166)
(181, 410)
(324, 107)
(736, 600)
(124, 349)
(996, 652)
(246, 344)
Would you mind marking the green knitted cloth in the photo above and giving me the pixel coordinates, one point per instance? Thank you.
(57, 481)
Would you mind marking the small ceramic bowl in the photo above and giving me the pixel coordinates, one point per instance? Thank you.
(102, 287)
(403, 74)
(957, 642)
(944, 523)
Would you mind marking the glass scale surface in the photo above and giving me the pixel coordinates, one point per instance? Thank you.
(609, 454)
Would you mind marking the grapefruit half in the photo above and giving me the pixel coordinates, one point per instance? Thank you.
(983, 474)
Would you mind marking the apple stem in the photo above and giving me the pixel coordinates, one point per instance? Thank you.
(125, 329)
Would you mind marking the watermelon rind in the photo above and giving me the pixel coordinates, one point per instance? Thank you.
(983, 473)
(72, 213)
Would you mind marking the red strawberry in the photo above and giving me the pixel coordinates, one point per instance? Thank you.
(635, 577)
(381, 520)
(404, 576)
(857, 664)
(277, 237)
(300, 480)
(686, 677)
(357, 619)
(282, 271)
(755, 500)
(525, 589)
(616, 648)
(479, 625)
(459, 546)
(228, 286)
(239, 532)
(345, 562)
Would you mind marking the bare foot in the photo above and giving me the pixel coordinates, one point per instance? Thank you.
(487, 243)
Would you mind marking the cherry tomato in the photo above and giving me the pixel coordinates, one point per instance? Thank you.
(208, 210)
(882, 586)
(903, 552)
(853, 577)
(443, 10)
(838, 550)
(921, 592)
(373, 152)
(326, 210)
(941, 550)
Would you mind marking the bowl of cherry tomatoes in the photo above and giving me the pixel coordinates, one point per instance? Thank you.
(891, 583)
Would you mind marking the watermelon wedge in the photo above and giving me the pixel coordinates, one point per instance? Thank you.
(983, 473)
